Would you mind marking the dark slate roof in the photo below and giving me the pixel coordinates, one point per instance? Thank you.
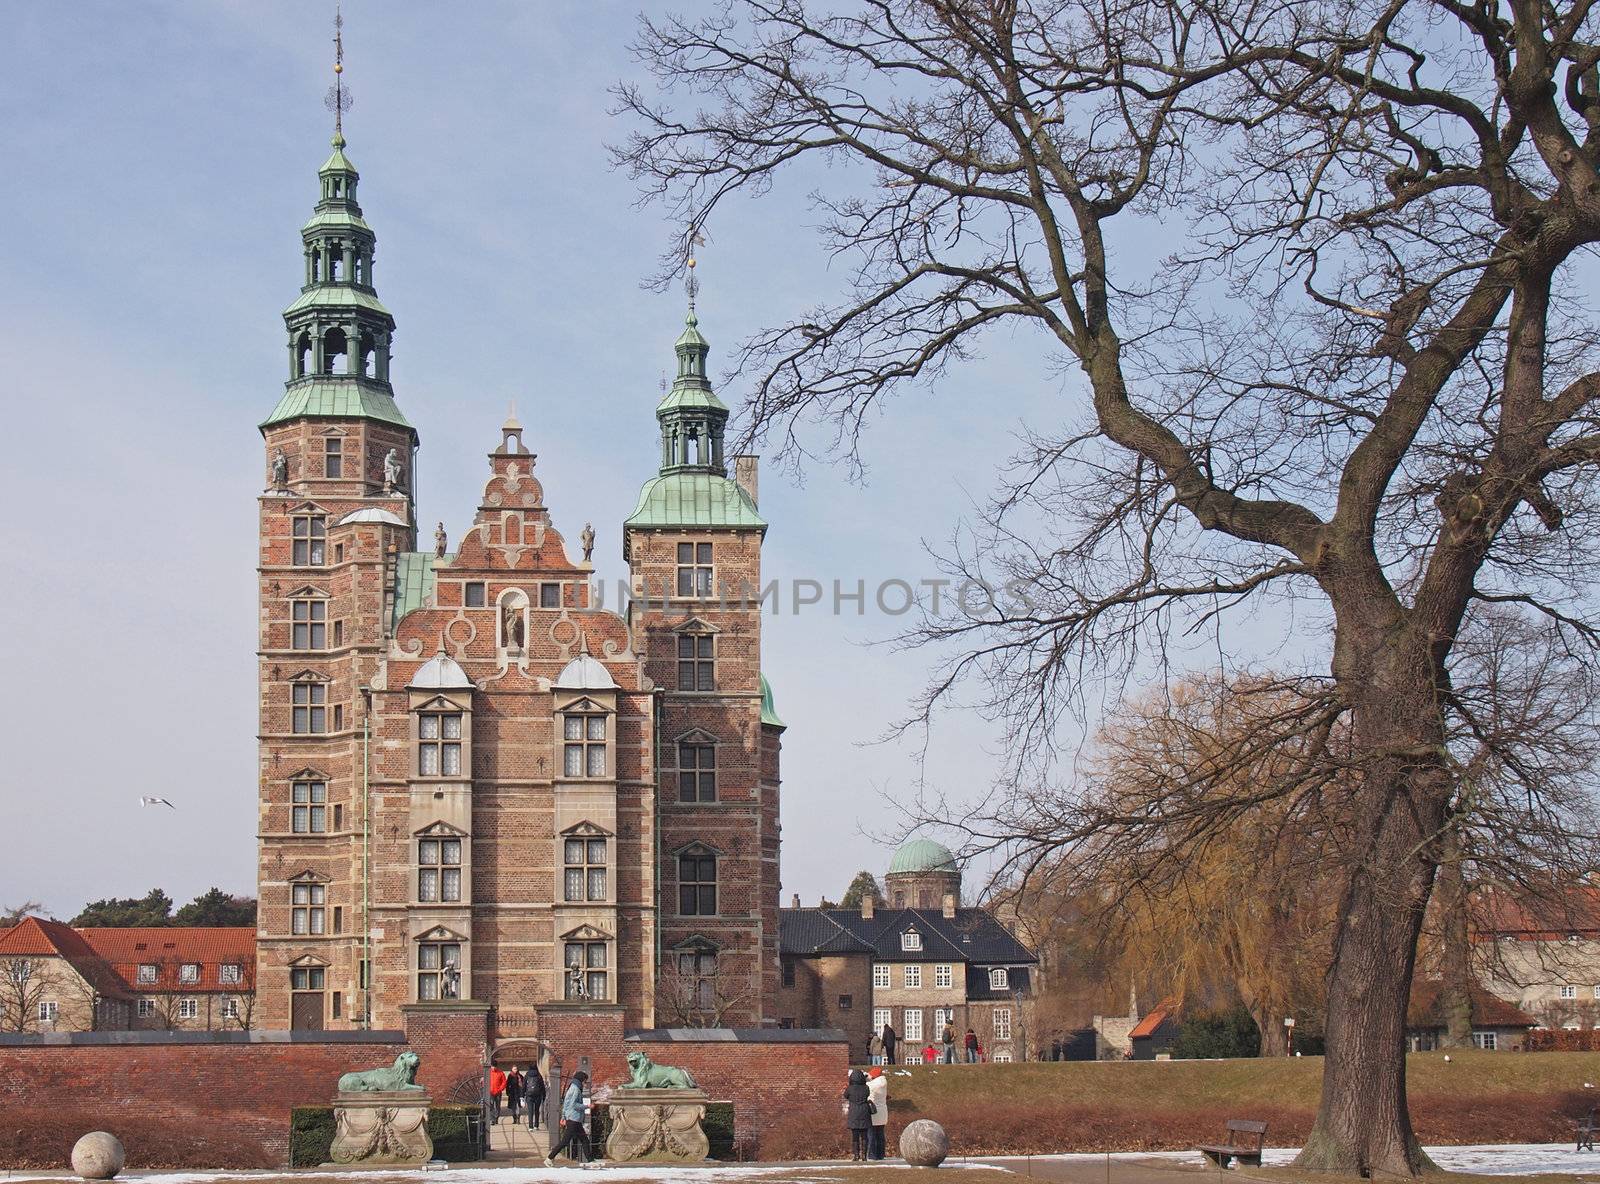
(972, 935)
(978, 987)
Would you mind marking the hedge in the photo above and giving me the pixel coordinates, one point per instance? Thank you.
(311, 1134)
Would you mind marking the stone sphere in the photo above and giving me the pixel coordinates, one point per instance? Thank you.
(923, 1143)
(97, 1156)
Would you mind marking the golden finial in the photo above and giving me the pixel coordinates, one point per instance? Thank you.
(691, 284)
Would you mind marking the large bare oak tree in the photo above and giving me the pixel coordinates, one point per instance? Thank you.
(1364, 376)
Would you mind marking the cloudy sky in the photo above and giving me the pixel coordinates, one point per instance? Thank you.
(161, 158)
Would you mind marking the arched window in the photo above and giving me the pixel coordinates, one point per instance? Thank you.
(334, 347)
(302, 353)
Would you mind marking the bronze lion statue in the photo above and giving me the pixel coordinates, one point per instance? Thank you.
(649, 1075)
(402, 1075)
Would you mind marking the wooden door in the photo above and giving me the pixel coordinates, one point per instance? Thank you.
(306, 1011)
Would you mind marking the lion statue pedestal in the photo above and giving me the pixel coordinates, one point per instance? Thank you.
(381, 1116)
(656, 1115)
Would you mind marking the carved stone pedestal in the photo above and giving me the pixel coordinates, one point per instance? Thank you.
(381, 1127)
(657, 1124)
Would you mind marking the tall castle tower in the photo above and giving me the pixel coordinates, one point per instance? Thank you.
(336, 513)
(693, 546)
(479, 791)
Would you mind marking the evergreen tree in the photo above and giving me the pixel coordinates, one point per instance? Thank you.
(865, 884)
(155, 908)
(216, 907)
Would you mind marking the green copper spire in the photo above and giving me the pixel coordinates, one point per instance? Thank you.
(339, 331)
(691, 416)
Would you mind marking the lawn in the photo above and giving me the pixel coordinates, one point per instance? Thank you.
(1475, 1097)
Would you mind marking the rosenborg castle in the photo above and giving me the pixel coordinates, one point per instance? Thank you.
(473, 783)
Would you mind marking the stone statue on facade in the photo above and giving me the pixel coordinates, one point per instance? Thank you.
(280, 469)
(512, 627)
(391, 471)
(440, 541)
(587, 538)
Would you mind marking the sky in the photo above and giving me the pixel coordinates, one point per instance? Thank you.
(161, 158)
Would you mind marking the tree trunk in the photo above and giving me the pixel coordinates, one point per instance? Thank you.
(1274, 1036)
(1363, 1126)
(1455, 991)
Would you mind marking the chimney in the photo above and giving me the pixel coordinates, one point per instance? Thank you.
(867, 904)
(744, 475)
(796, 903)
(949, 906)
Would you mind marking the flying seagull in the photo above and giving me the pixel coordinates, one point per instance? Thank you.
(149, 801)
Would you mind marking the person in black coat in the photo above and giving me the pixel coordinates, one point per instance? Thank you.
(890, 1039)
(857, 1114)
(533, 1091)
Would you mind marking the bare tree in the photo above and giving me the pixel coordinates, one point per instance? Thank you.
(692, 994)
(1364, 380)
(22, 988)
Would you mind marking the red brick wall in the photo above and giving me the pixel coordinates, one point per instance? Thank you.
(172, 1105)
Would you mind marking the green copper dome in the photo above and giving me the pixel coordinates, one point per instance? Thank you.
(923, 855)
(769, 713)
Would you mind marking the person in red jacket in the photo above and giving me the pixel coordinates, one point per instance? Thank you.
(497, 1089)
(930, 1055)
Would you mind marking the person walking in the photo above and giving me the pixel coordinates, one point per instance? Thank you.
(889, 1041)
(497, 1092)
(948, 1039)
(875, 1050)
(573, 1135)
(878, 1096)
(972, 1047)
(857, 1114)
(533, 1094)
(514, 1094)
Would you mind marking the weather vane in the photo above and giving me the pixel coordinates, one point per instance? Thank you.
(338, 98)
(691, 285)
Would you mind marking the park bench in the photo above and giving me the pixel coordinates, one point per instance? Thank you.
(1244, 1144)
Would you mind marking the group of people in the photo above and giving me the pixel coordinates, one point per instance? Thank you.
(883, 1045)
(515, 1090)
(866, 1113)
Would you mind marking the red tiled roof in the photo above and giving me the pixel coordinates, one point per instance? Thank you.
(1488, 1010)
(1552, 916)
(1153, 1020)
(169, 949)
(35, 937)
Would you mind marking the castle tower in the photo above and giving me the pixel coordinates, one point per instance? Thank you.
(693, 547)
(336, 512)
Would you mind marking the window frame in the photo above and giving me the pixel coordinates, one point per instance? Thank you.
(1002, 1030)
(943, 975)
(188, 1008)
(230, 974)
(697, 661)
(308, 908)
(592, 971)
(49, 1011)
(433, 976)
(333, 458)
(308, 702)
(143, 979)
(910, 941)
(697, 771)
(881, 976)
(308, 624)
(586, 868)
(578, 728)
(999, 978)
(146, 1007)
(911, 1018)
(1568, 991)
(308, 539)
(692, 892)
(549, 595)
(188, 973)
(308, 802)
(703, 976)
(696, 573)
(475, 594)
(911, 976)
(437, 746)
(438, 869)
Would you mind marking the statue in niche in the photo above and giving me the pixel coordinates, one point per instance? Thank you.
(587, 538)
(280, 469)
(440, 541)
(512, 626)
(391, 471)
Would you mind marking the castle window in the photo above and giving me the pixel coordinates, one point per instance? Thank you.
(439, 749)
(697, 772)
(998, 979)
(787, 967)
(698, 970)
(310, 533)
(697, 884)
(438, 869)
(306, 978)
(310, 708)
(308, 912)
(583, 874)
(586, 975)
(438, 969)
(549, 595)
(310, 625)
(584, 750)
(697, 670)
(333, 457)
(474, 596)
(694, 569)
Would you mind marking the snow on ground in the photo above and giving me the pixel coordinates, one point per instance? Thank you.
(1502, 1159)
(793, 1173)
